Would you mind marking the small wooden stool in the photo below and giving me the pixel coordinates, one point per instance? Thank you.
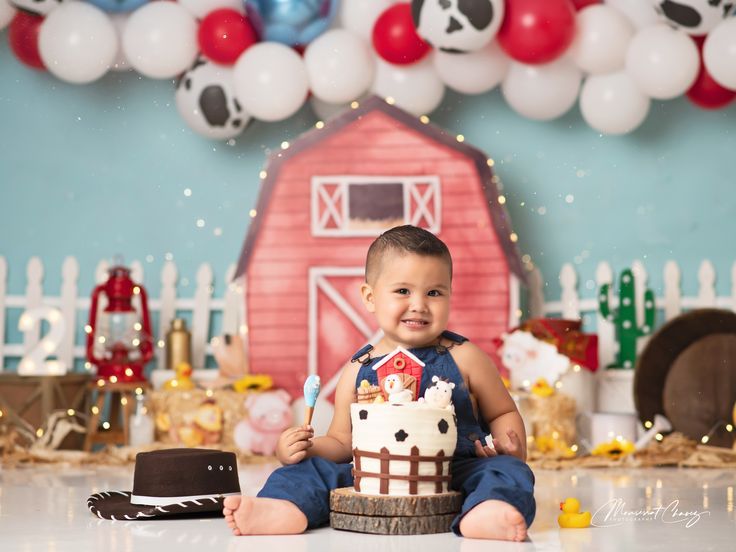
(121, 394)
(393, 515)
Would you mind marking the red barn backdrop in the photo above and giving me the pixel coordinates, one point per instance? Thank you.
(323, 201)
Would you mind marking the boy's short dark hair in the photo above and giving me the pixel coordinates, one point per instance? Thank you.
(404, 239)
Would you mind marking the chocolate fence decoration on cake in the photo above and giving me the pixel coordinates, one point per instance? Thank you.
(414, 478)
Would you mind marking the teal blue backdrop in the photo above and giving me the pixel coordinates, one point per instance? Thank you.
(98, 170)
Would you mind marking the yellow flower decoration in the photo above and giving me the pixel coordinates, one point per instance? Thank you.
(616, 448)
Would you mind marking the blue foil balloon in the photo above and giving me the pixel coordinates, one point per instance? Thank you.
(291, 22)
(118, 5)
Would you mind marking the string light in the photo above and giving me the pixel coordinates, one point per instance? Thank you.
(513, 237)
(95, 410)
(105, 425)
(138, 390)
(209, 392)
(284, 145)
(648, 424)
(137, 326)
(124, 401)
(113, 379)
(129, 371)
(100, 382)
(70, 412)
(253, 213)
(319, 125)
(39, 432)
(490, 162)
(356, 104)
(87, 329)
(501, 199)
(424, 119)
(389, 101)
(161, 343)
(263, 174)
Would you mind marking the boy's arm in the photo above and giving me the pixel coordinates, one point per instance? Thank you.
(337, 445)
(494, 401)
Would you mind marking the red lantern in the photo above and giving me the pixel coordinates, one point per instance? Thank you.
(120, 343)
(23, 38)
(537, 31)
(224, 34)
(395, 39)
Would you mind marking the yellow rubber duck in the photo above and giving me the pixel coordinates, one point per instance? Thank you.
(183, 379)
(571, 517)
(542, 389)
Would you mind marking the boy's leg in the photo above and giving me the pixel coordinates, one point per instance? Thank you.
(501, 478)
(302, 488)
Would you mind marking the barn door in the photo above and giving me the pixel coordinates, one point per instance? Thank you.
(339, 325)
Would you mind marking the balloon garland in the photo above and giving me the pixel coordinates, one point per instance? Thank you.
(240, 59)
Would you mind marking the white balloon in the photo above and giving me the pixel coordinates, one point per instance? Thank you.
(613, 104)
(542, 92)
(205, 98)
(640, 12)
(120, 63)
(601, 39)
(458, 27)
(415, 88)
(271, 81)
(359, 16)
(160, 40)
(200, 8)
(719, 53)
(695, 17)
(7, 12)
(77, 42)
(39, 7)
(662, 61)
(340, 66)
(475, 72)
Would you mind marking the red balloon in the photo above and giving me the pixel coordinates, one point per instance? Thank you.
(705, 92)
(395, 38)
(224, 34)
(23, 38)
(580, 4)
(537, 31)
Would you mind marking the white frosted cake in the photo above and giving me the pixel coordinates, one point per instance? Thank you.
(402, 449)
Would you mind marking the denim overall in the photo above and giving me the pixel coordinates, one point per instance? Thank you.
(308, 483)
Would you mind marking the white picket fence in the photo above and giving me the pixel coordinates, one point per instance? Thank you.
(232, 305)
(74, 308)
(672, 303)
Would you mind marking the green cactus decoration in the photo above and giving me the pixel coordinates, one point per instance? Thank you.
(624, 318)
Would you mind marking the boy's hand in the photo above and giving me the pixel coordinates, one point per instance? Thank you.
(511, 446)
(293, 444)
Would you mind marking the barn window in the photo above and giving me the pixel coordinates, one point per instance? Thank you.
(368, 205)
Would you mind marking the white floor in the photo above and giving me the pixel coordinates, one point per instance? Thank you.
(44, 508)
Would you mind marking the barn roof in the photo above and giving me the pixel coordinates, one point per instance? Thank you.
(499, 216)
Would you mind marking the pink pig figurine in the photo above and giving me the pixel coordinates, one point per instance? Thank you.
(269, 414)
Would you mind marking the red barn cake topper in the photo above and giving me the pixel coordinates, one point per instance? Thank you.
(402, 363)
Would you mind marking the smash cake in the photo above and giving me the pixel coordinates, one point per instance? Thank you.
(402, 448)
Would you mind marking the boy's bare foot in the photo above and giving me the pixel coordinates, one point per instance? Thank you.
(494, 519)
(263, 516)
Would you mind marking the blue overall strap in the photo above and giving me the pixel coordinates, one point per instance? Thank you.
(364, 351)
(452, 336)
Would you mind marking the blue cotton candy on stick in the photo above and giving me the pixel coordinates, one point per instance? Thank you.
(311, 390)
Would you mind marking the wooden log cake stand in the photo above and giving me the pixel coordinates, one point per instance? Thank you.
(393, 515)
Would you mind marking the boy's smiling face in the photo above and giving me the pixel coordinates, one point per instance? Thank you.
(410, 297)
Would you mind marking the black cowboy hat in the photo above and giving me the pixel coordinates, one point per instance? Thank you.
(172, 482)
